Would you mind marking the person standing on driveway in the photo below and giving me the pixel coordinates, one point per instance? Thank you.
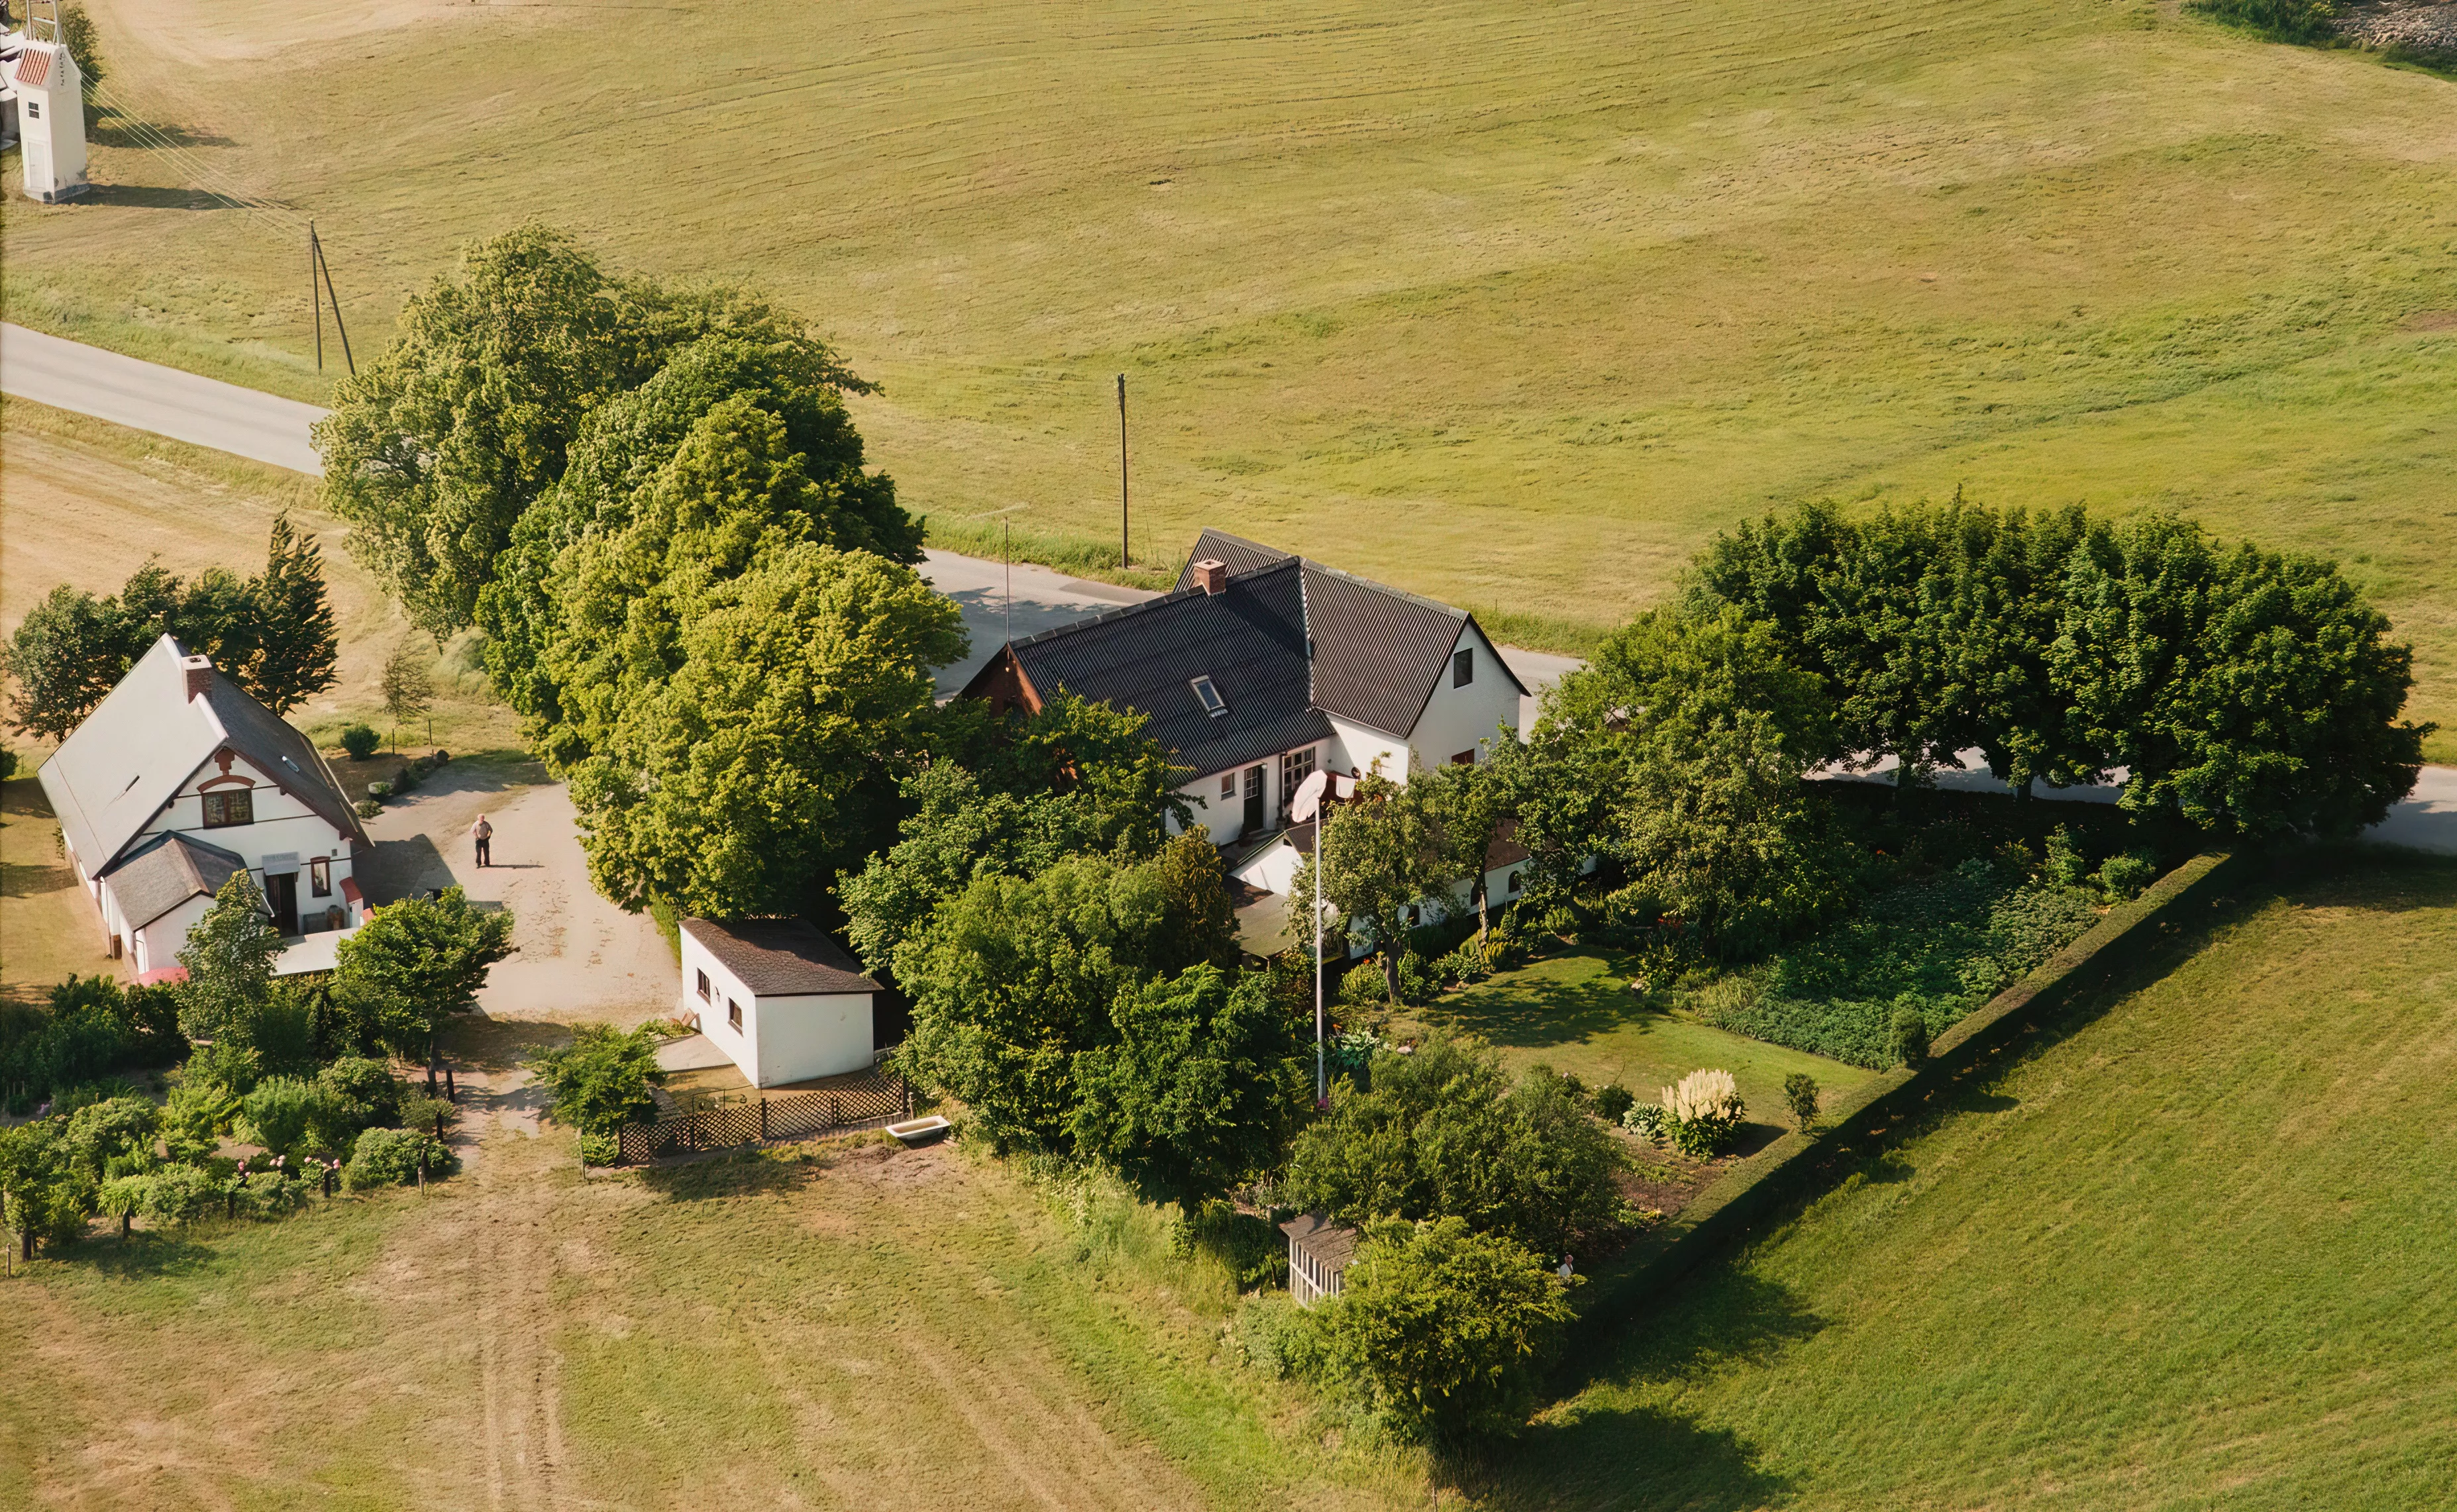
(482, 832)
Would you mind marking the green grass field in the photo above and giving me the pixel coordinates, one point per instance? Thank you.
(1576, 1013)
(843, 1328)
(1514, 304)
(2190, 1251)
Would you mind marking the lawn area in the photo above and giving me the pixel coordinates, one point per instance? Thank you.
(2191, 1250)
(1577, 1013)
(1549, 292)
(873, 1325)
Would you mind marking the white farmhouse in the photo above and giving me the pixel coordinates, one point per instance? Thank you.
(779, 997)
(179, 780)
(1261, 667)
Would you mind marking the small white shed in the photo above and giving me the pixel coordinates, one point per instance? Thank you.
(1319, 1251)
(782, 998)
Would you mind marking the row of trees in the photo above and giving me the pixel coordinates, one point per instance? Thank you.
(654, 504)
(272, 634)
(2251, 692)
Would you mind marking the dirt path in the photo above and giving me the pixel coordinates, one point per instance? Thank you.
(575, 956)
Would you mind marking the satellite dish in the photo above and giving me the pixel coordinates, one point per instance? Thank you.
(1308, 802)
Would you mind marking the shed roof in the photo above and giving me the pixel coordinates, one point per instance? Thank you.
(779, 957)
(116, 771)
(1329, 1242)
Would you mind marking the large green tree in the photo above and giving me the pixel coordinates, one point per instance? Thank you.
(440, 447)
(1014, 978)
(1382, 858)
(1447, 1331)
(1198, 1089)
(2249, 692)
(413, 964)
(765, 762)
(603, 1079)
(1446, 1131)
(229, 961)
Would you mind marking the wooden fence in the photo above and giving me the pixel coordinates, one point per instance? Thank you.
(867, 1101)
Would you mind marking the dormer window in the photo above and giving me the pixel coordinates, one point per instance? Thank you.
(1213, 704)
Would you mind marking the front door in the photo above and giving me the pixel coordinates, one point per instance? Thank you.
(1253, 799)
(281, 892)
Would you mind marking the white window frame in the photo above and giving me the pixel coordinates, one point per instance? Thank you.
(1209, 696)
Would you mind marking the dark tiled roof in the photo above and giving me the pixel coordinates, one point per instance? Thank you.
(167, 871)
(779, 957)
(271, 742)
(1249, 640)
(1377, 651)
(1238, 554)
(1331, 1243)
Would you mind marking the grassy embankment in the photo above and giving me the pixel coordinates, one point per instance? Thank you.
(766, 1330)
(1514, 305)
(2188, 1250)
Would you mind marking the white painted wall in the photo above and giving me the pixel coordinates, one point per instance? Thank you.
(1458, 719)
(782, 1040)
(158, 944)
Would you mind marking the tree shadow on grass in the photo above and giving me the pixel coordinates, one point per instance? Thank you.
(1601, 1448)
(143, 1256)
(24, 795)
(1532, 1012)
(749, 1170)
(153, 197)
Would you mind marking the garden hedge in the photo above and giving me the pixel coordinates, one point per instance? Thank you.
(1789, 1169)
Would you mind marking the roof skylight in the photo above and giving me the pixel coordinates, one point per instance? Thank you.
(1213, 704)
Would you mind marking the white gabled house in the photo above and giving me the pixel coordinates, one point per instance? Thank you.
(1260, 669)
(179, 780)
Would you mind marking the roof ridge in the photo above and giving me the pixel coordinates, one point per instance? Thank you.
(1379, 586)
(1110, 616)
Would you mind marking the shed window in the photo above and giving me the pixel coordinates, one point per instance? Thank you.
(1465, 758)
(703, 988)
(319, 878)
(234, 805)
(734, 1015)
(1213, 704)
(1463, 667)
(1513, 880)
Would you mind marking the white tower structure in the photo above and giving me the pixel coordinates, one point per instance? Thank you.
(51, 114)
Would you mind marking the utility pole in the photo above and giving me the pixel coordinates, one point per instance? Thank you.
(314, 300)
(1006, 555)
(316, 249)
(1125, 541)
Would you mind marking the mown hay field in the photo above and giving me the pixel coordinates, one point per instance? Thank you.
(2188, 1250)
(1513, 303)
(838, 1325)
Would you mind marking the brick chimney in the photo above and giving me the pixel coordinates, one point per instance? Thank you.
(199, 670)
(1212, 574)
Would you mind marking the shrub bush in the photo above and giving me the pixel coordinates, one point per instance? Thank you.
(388, 1158)
(2306, 21)
(2122, 878)
(378, 792)
(1800, 1093)
(177, 1194)
(359, 740)
(1274, 1334)
(1416, 984)
(368, 808)
(2064, 866)
(1646, 1120)
(364, 1091)
(1613, 1102)
(601, 1149)
(1703, 1113)
(1909, 1042)
(1363, 986)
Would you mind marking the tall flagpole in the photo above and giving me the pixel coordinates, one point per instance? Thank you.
(1321, 1071)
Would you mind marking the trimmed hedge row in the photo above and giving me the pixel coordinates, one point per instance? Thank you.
(1788, 1168)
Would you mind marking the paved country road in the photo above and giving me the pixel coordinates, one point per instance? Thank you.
(148, 397)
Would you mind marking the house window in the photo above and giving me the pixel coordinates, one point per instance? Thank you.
(319, 878)
(1465, 758)
(1228, 784)
(33, 110)
(232, 805)
(1463, 667)
(734, 1015)
(1511, 881)
(1213, 704)
(704, 995)
(1294, 768)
